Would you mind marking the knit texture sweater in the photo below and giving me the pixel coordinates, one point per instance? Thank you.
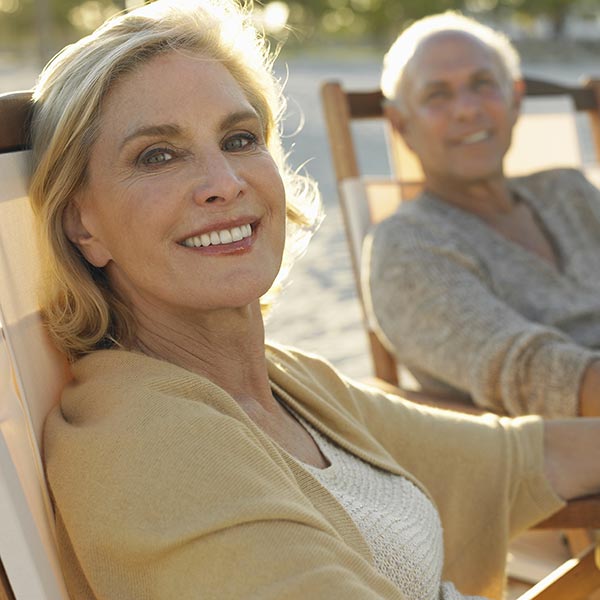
(398, 521)
(462, 305)
(164, 488)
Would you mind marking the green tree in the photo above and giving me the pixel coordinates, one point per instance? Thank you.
(556, 10)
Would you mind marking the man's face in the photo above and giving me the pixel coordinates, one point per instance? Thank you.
(458, 109)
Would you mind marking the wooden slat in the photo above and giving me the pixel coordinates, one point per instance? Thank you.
(594, 86)
(15, 109)
(575, 580)
(583, 98)
(368, 105)
(578, 514)
(6, 592)
(337, 118)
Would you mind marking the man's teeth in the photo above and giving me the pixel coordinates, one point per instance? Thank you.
(476, 137)
(215, 238)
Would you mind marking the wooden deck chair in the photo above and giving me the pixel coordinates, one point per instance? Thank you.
(32, 373)
(542, 139)
(367, 200)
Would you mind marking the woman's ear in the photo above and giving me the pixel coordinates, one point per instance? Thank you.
(89, 245)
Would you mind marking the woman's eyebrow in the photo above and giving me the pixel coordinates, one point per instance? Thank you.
(238, 116)
(166, 129)
(172, 130)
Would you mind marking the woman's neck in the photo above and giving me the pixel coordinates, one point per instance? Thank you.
(225, 346)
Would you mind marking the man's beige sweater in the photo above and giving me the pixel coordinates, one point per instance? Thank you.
(165, 489)
(462, 305)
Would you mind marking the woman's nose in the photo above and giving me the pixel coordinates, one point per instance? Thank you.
(220, 182)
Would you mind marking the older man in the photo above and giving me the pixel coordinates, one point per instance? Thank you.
(485, 285)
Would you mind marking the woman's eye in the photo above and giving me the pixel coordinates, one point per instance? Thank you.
(157, 156)
(240, 141)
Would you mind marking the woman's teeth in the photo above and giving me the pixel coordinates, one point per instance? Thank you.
(215, 238)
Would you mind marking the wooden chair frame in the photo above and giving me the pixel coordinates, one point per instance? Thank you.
(583, 513)
(342, 107)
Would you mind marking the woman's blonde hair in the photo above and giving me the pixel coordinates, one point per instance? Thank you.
(81, 310)
(403, 49)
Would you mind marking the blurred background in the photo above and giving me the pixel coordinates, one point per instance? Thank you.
(35, 29)
(322, 40)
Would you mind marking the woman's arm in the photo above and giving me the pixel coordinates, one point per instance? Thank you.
(572, 456)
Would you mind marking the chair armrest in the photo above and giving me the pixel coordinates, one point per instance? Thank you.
(581, 513)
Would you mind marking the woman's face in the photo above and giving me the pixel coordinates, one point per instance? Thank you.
(183, 206)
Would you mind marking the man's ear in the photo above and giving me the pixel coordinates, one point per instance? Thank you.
(394, 115)
(518, 92)
(398, 120)
(89, 245)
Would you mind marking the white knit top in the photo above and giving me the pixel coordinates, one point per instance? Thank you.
(399, 523)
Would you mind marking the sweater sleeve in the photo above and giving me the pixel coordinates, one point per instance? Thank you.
(434, 305)
(485, 474)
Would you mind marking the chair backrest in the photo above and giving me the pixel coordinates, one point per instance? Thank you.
(545, 136)
(32, 373)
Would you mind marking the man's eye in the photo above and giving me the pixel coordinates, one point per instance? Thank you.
(484, 84)
(240, 141)
(157, 156)
(436, 95)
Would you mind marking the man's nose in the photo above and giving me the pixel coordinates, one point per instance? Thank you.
(467, 103)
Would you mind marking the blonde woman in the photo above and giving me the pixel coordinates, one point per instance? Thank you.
(187, 459)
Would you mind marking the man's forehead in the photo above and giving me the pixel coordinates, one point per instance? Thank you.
(446, 52)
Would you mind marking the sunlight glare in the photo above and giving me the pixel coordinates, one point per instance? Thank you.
(91, 14)
(273, 17)
(9, 6)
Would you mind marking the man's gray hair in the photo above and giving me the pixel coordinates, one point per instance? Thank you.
(403, 49)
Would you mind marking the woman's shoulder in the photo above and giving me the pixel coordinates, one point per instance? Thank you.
(116, 381)
(127, 420)
(120, 405)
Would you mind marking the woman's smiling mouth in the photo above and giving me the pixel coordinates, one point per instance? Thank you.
(218, 238)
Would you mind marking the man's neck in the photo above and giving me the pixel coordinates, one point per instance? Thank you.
(488, 199)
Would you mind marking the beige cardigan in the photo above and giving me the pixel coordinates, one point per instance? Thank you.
(165, 489)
